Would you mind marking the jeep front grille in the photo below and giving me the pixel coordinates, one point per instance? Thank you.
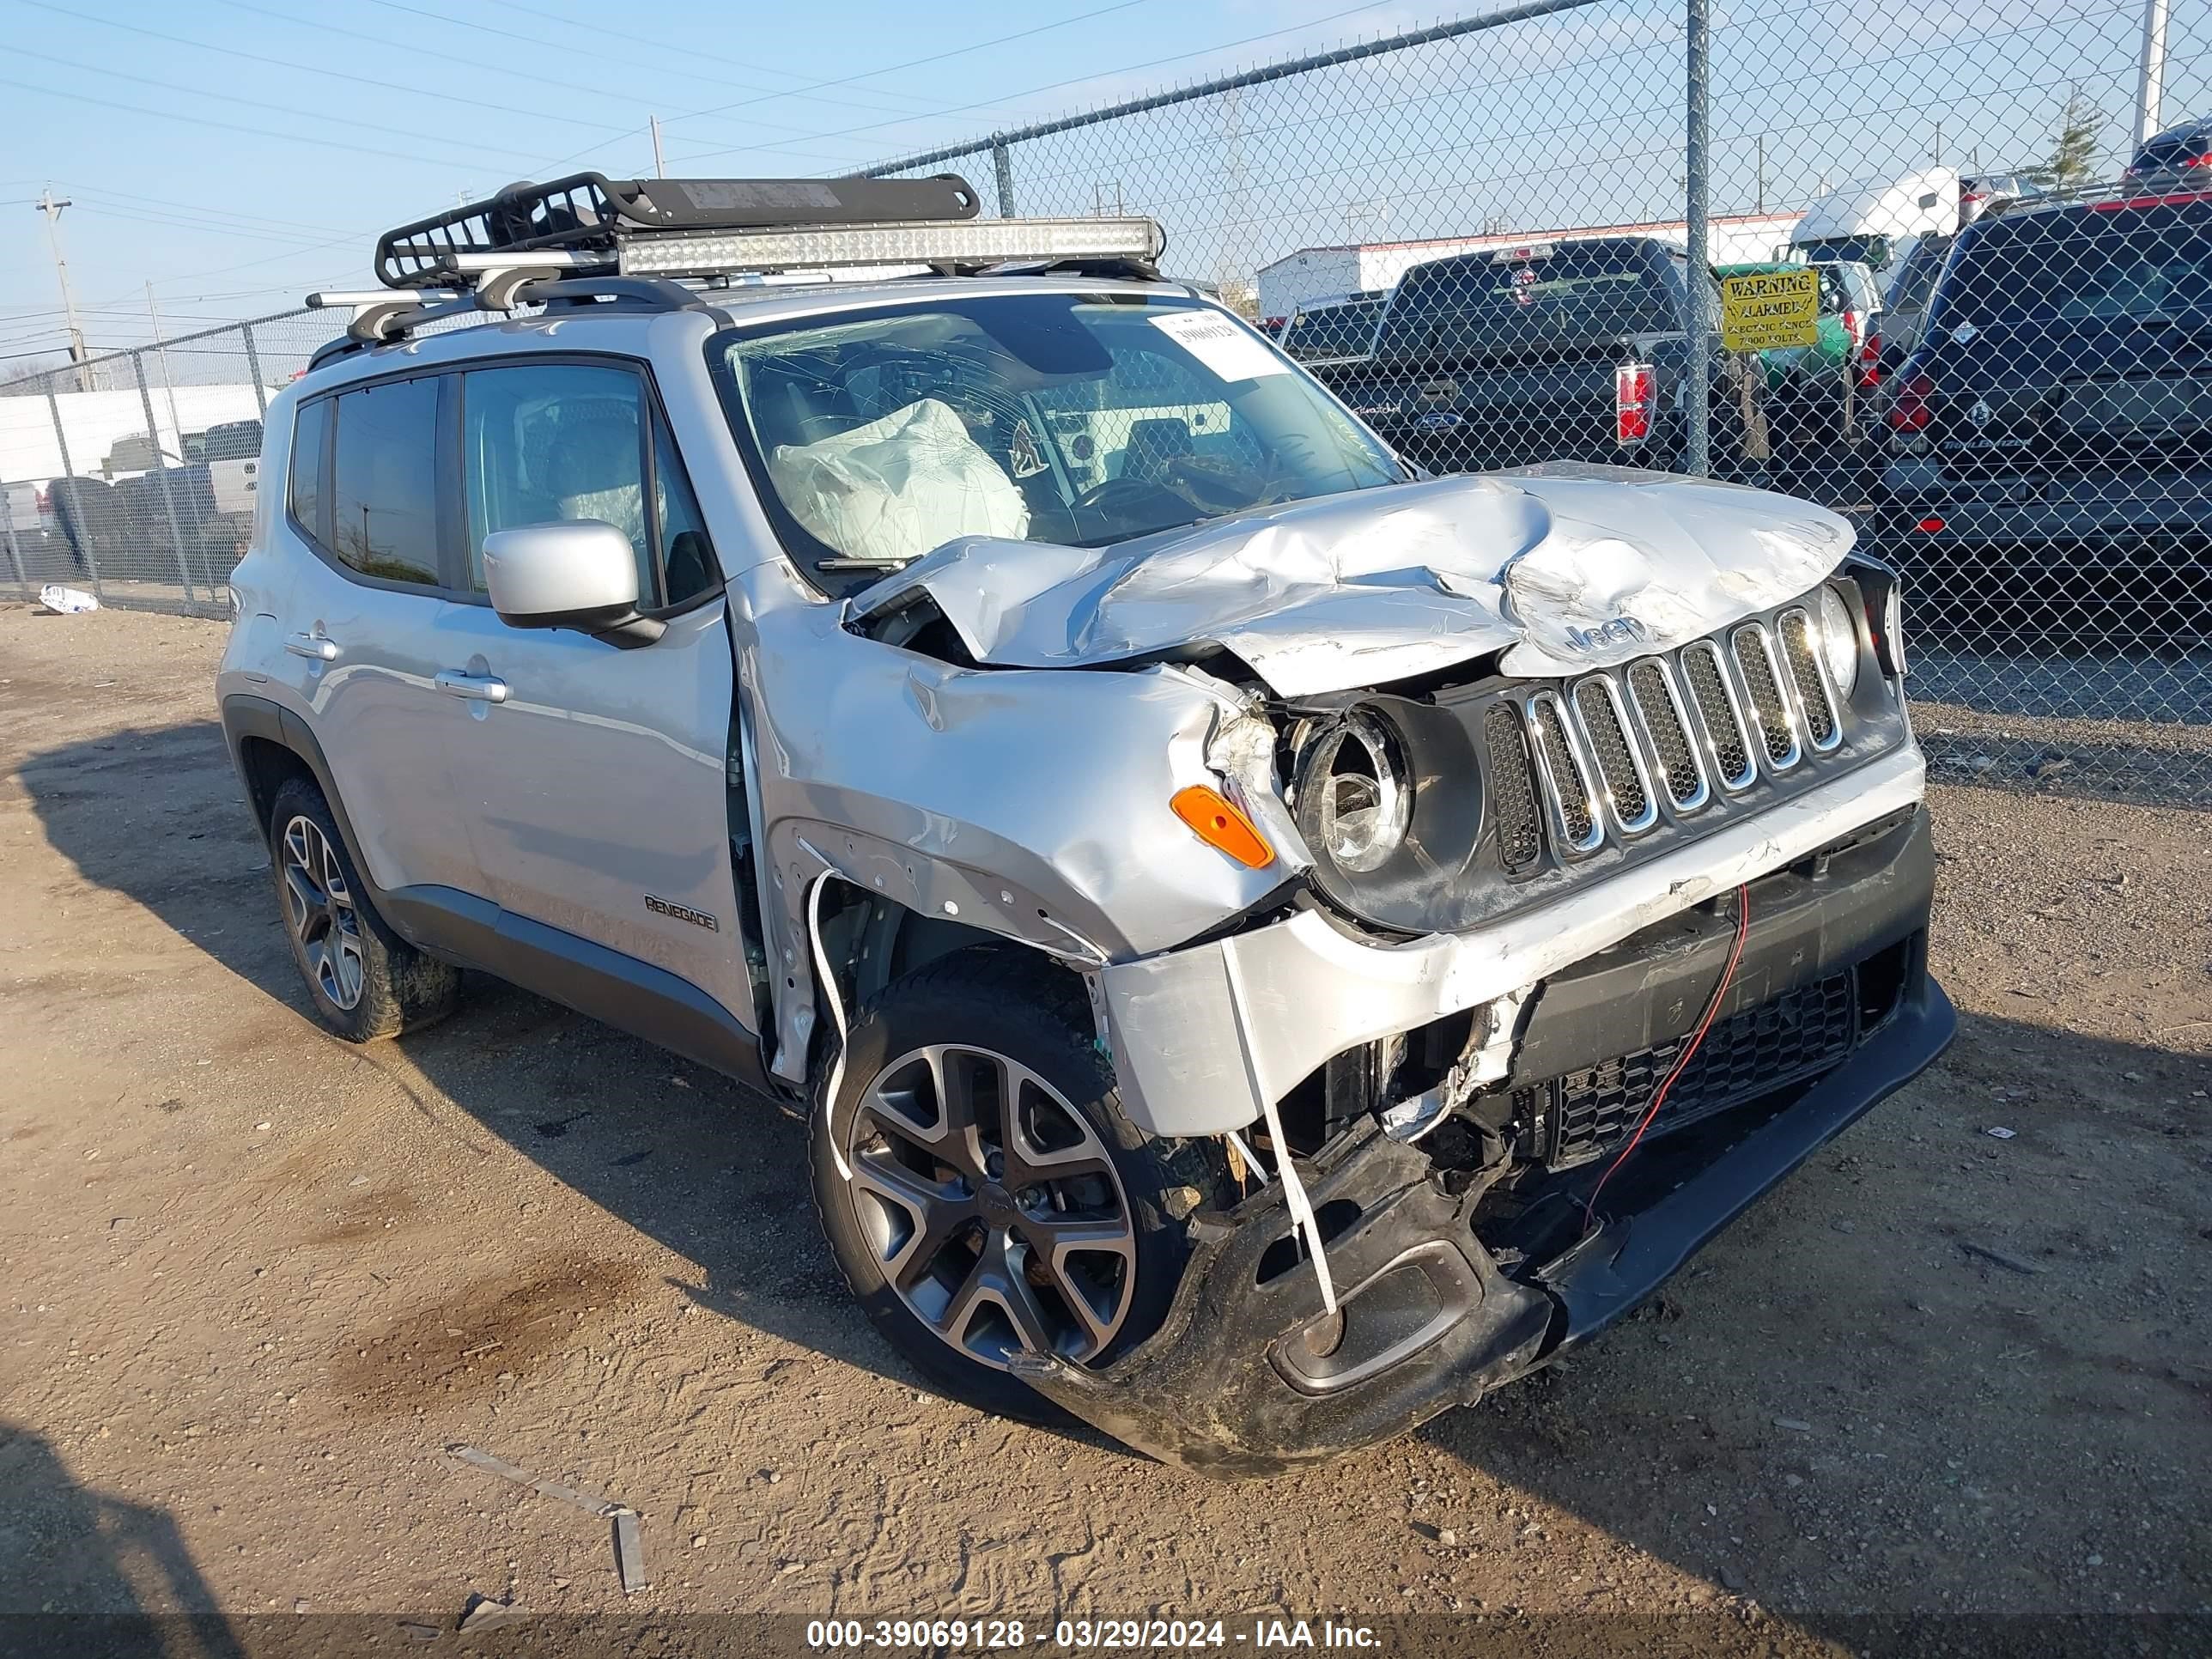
(1569, 1120)
(1611, 755)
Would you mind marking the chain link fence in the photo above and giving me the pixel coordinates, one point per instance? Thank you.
(1979, 237)
(134, 475)
(1478, 234)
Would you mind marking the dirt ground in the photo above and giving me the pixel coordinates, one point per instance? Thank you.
(257, 1281)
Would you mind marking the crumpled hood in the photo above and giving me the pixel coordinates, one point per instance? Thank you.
(1565, 567)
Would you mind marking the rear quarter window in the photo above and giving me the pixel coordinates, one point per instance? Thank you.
(311, 430)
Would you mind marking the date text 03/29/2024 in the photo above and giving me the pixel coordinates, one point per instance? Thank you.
(1263, 1635)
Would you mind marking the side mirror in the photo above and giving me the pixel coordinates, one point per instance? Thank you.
(579, 574)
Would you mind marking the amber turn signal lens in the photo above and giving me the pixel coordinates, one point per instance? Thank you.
(1219, 824)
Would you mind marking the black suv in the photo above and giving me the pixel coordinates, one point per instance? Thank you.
(2177, 158)
(2047, 437)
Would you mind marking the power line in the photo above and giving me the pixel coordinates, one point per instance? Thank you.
(212, 212)
(228, 126)
(1080, 80)
(539, 41)
(597, 90)
(917, 62)
(274, 109)
(562, 116)
(537, 13)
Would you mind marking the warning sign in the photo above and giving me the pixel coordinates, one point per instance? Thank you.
(1769, 309)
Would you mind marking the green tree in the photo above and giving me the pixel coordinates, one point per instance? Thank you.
(2073, 161)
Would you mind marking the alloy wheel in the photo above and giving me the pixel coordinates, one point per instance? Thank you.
(319, 907)
(991, 1205)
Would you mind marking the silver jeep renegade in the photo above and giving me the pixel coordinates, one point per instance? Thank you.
(1273, 944)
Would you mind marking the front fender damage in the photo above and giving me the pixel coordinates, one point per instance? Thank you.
(1249, 1378)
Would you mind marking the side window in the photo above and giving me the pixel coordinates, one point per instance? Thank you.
(310, 439)
(547, 441)
(384, 492)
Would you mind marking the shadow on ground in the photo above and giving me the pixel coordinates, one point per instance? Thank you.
(83, 1572)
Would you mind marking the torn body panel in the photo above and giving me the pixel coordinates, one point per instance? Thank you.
(1563, 570)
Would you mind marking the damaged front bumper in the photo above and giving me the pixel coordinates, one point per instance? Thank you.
(1444, 1292)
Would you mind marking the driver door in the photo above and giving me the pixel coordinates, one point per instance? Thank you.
(596, 786)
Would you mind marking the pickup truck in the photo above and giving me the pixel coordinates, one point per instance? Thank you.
(1568, 350)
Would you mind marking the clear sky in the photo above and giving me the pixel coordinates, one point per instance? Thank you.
(238, 153)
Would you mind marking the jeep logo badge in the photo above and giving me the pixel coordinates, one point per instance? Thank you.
(1621, 630)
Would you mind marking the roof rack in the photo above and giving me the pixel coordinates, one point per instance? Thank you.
(587, 238)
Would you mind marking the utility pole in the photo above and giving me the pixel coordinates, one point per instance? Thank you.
(659, 167)
(1761, 206)
(168, 384)
(2150, 82)
(52, 209)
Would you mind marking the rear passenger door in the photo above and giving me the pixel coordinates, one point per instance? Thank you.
(596, 787)
(361, 641)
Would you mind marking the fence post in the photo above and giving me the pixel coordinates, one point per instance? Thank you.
(78, 527)
(253, 368)
(1002, 163)
(1697, 372)
(14, 553)
(161, 474)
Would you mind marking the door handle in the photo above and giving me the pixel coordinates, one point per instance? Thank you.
(313, 645)
(478, 688)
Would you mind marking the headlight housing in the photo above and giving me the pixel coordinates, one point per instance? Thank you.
(1355, 796)
(1839, 641)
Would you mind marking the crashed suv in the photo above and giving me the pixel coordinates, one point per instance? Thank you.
(1272, 945)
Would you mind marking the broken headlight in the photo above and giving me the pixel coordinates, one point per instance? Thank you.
(1387, 797)
(1355, 798)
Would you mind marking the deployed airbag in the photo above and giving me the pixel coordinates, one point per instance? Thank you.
(899, 486)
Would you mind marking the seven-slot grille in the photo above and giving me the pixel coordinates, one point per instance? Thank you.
(1616, 751)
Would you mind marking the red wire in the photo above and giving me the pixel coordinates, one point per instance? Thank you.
(1682, 1060)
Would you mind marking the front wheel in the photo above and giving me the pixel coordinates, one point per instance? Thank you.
(980, 1187)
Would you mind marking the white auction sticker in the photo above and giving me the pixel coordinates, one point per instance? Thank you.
(1219, 343)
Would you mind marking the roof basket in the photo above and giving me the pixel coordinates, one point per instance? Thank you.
(588, 213)
(590, 226)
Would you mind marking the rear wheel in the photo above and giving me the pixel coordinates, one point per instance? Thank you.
(365, 981)
(980, 1187)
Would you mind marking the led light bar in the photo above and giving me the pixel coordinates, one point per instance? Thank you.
(957, 242)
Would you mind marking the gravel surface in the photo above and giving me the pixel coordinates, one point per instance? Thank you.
(258, 1280)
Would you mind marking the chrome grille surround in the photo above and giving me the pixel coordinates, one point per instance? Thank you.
(1570, 793)
(1663, 721)
(1723, 729)
(1774, 719)
(1809, 682)
(1623, 778)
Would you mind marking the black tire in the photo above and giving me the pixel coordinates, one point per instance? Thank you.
(1007, 1001)
(397, 987)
